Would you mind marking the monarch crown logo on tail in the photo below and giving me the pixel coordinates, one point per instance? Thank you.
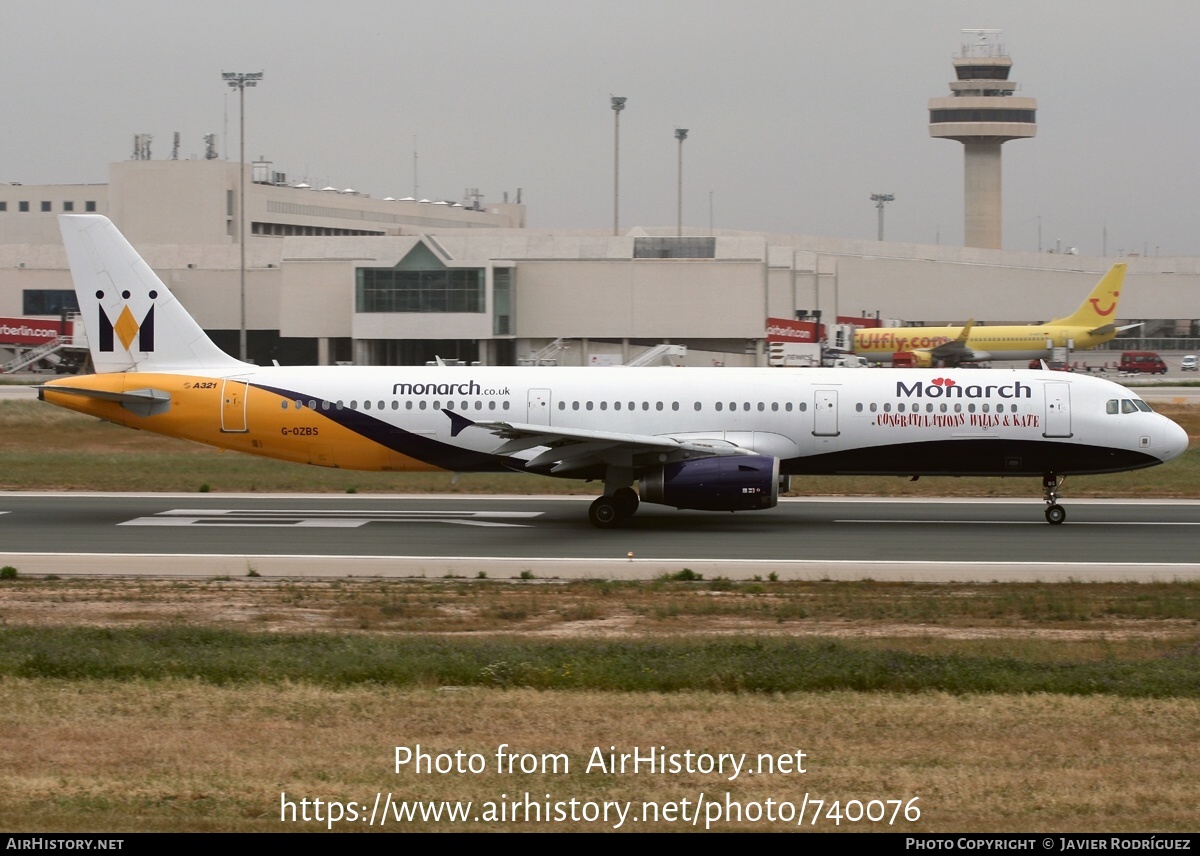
(126, 327)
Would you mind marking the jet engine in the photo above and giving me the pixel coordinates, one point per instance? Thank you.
(726, 483)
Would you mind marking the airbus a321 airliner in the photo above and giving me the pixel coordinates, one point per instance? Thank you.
(718, 439)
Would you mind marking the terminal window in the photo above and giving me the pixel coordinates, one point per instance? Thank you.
(675, 248)
(445, 290)
(48, 301)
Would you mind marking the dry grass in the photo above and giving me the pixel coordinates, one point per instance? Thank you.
(178, 755)
(1045, 621)
(166, 755)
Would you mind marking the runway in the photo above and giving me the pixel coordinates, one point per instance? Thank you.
(203, 535)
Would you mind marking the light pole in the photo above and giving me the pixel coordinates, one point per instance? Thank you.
(879, 199)
(681, 135)
(618, 104)
(239, 81)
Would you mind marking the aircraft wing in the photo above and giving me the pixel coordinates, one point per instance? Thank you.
(953, 353)
(565, 449)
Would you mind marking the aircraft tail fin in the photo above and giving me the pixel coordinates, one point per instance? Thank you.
(1100, 307)
(133, 321)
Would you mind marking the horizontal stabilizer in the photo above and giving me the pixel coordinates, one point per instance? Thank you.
(142, 402)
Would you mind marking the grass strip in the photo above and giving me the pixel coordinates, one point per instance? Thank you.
(719, 665)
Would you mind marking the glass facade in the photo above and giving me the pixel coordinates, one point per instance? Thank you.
(445, 290)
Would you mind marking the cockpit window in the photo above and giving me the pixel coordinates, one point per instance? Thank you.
(1126, 405)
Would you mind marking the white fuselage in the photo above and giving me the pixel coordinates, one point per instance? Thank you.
(813, 420)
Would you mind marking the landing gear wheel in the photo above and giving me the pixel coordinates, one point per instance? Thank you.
(1055, 513)
(604, 513)
(627, 501)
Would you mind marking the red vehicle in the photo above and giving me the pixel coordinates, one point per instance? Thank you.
(1142, 362)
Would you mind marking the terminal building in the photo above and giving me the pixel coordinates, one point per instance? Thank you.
(338, 276)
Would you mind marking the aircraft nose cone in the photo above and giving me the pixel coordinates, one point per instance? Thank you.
(1175, 441)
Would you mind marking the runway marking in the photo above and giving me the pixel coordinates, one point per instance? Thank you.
(320, 518)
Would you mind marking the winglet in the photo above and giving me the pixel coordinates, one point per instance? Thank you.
(966, 332)
(457, 421)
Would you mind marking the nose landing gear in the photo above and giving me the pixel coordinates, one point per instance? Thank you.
(1055, 513)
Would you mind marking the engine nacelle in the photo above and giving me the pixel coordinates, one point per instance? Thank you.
(726, 483)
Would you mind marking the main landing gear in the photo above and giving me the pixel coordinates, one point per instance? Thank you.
(608, 511)
(1055, 513)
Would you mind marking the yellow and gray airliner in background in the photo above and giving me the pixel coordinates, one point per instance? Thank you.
(1090, 325)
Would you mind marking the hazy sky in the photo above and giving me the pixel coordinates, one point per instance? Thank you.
(797, 110)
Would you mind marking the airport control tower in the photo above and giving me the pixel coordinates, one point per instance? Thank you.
(982, 114)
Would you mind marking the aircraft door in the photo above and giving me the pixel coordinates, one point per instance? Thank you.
(825, 415)
(1058, 410)
(235, 395)
(539, 407)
